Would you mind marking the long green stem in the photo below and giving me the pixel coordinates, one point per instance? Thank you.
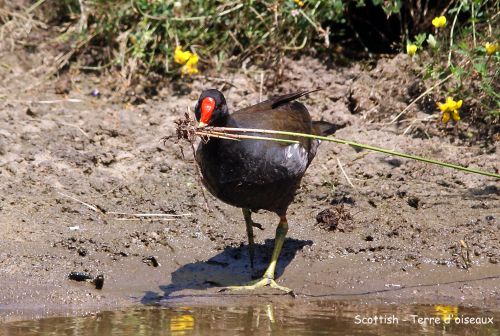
(451, 32)
(351, 143)
(473, 23)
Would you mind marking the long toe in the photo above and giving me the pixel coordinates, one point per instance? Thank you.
(259, 283)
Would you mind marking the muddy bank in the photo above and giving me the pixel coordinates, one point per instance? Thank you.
(391, 233)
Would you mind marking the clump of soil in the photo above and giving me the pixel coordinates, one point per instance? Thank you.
(331, 219)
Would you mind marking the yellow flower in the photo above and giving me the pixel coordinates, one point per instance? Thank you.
(491, 48)
(191, 66)
(411, 49)
(299, 3)
(188, 59)
(439, 21)
(180, 56)
(450, 109)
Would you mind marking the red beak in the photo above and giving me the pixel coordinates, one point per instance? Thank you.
(207, 108)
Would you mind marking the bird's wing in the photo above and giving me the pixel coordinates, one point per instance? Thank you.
(277, 101)
(324, 128)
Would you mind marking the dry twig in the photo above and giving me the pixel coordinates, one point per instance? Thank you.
(124, 216)
(344, 173)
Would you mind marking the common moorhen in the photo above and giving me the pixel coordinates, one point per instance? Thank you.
(258, 174)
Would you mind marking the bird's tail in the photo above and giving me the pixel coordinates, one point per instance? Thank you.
(325, 128)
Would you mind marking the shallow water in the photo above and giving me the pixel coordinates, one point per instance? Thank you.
(296, 318)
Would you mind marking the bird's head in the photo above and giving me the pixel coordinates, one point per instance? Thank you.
(210, 108)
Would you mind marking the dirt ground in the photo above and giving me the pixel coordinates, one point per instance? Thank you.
(391, 234)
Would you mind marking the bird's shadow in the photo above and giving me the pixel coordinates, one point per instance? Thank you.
(230, 267)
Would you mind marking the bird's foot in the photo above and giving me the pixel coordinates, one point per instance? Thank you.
(259, 283)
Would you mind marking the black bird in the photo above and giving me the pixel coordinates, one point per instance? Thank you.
(258, 174)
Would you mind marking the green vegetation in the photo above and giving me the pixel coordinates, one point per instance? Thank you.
(222, 33)
(147, 32)
(466, 54)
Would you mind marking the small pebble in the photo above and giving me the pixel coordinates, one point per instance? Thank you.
(152, 261)
(95, 93)
(79, 276)
(99, 281)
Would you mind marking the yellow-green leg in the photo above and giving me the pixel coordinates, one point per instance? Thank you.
(268, 277)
